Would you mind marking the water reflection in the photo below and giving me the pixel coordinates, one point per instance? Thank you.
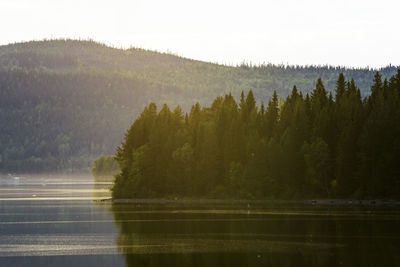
(233, 235)
(51, 221)
(56, 221)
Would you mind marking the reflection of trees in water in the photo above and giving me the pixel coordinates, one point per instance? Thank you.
(194, 239)
(100, 191)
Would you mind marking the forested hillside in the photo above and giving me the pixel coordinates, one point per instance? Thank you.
(314, 145)
(65, 102)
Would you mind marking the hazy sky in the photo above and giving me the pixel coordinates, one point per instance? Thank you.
(336, 32)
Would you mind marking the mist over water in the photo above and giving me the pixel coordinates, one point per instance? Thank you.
(60, 221)
(47, 221)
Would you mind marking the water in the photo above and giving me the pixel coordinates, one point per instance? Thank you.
(60, 222)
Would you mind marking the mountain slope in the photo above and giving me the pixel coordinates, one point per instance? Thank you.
(64, 102)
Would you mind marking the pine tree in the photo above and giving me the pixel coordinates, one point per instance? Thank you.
(271, 116)
(340, 88)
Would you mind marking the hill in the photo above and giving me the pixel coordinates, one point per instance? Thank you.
(65, 102)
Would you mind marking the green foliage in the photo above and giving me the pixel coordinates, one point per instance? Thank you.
(316, 158)
(105, 167)
(65, 102)
(312, 146)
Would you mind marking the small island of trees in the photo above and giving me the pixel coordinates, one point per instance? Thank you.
(307, 146)
(104, 168)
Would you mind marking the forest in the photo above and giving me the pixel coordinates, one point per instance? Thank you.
(63, 103)
(313, 145)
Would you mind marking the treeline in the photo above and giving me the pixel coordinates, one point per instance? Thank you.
(65, 102)
(62, 121)
(313, 145)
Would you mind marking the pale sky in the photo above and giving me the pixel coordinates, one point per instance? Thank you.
(356, 33)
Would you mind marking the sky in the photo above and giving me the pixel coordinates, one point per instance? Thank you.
(358, 33)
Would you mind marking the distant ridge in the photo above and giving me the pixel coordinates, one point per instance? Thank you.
(65, 102)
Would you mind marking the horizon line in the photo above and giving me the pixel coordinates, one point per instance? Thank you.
(243, 63)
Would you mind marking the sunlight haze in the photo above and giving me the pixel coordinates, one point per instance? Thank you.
(356, 33)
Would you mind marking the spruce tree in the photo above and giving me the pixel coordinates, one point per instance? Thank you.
(340, 87)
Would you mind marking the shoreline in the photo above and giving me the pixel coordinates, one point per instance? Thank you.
(313, 202)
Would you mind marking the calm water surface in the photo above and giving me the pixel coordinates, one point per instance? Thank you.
(61, 222)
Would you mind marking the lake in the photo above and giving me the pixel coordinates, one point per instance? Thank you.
(60, 221)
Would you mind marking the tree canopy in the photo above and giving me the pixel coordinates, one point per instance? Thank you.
(312, 145)
(63, 103)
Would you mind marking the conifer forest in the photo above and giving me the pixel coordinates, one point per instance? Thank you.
(309, 145)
